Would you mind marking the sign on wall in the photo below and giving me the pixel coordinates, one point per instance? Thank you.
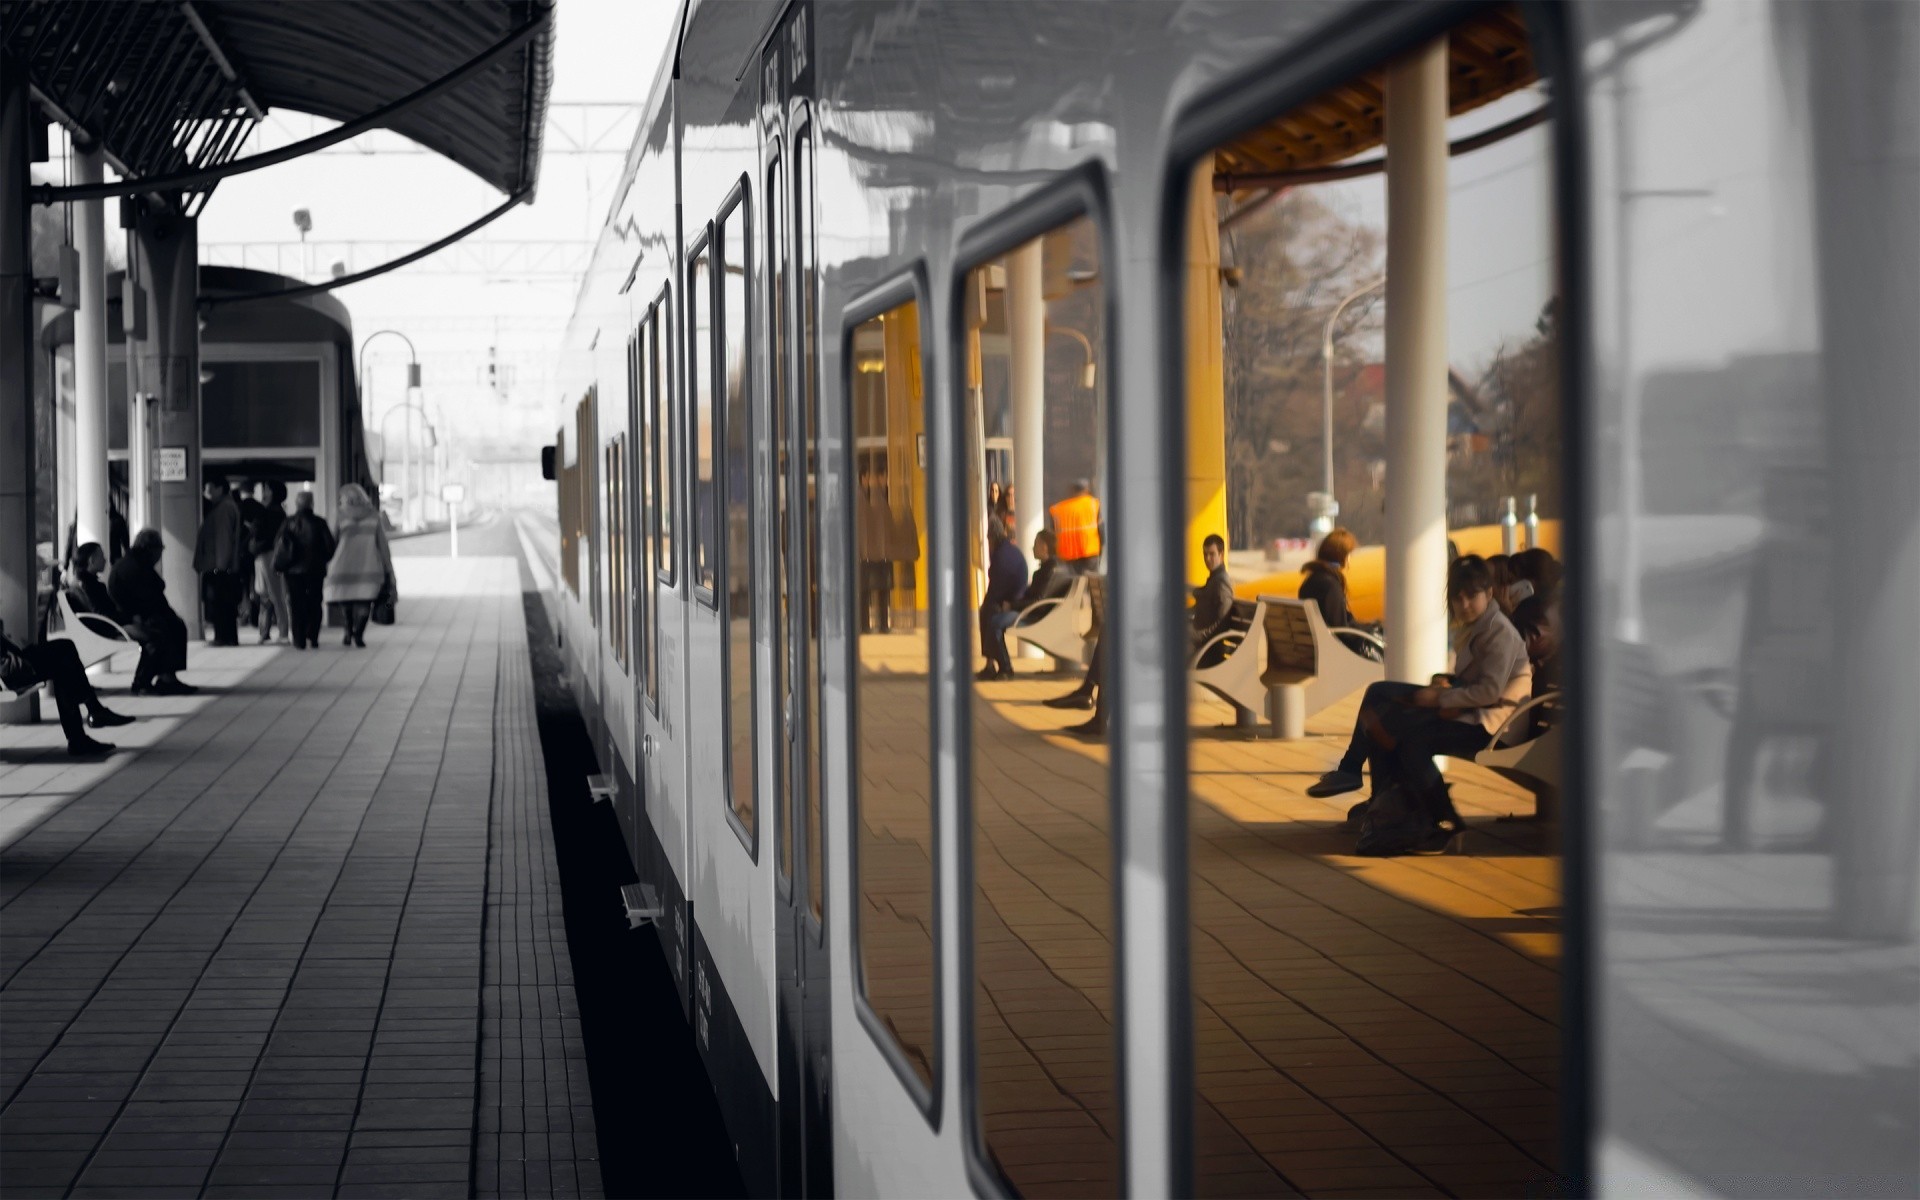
(170, 464)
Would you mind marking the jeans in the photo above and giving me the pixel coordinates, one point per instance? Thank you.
(271, 587)
(1418, 734)
(1378, 699)
(58, 663)
(357, 612)
(225, 590)
(993, 636)
(304, 599)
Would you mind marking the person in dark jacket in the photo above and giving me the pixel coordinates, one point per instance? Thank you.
(1324, 580)
(220, 556)
(86, 589)
(301, 553)
(269, 586)
(141, 595)
(58, 663)
(1006, 583)
(1212, 612)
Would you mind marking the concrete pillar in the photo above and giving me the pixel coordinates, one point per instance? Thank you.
(1027, 378)
(90, 359)
(165, 252)
(1416, 129)
(1206, 374)
(18, 562)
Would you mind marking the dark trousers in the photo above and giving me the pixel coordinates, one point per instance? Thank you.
(876, 597)
(357, 612)
(1379, 698)
(163, 647)
(225, 590)
(994, 624)
(1417, 735)
(58, 663)
(304, 597)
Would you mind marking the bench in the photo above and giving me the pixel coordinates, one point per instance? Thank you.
(1063, 626)
(1243, 649)
(1309, 669)
(95, 637)
(1533, 761)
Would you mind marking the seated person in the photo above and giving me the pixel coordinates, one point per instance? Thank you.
(1324, 579)
(1006, 584)
(1487, 646)
(141, 595)
(1082, 697)
(1538, 624)
(1535, 573)
(1212, 612)
(58, 663)
(86, 590)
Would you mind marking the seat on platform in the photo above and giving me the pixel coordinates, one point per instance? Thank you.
(95, 637)
(1235, 678)
(1303, 654)
(1063, 626)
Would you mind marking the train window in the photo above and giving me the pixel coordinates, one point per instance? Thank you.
(736, 484)
(779, 338)
(569, 533)
(700, 366)
(666, 508)
(615, 492)
(1368, 1014)
(808, 411)
(1043, 922)
(646, 504)
(892, 694)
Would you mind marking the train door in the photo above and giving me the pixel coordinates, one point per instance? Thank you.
(804, 1013)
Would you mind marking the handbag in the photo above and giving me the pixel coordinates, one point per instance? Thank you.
(383, 604)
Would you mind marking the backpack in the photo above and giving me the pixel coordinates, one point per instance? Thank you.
(1393, 822)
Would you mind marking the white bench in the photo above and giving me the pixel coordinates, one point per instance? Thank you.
(94, 637)
(1308, 668)
(1236, 677)
(1532, 762)
(1062, 625)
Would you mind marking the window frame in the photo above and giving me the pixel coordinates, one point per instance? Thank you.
(664, 432)
(780, 262)
(1082, 192)
(738, 203)
(809, 344)
(910, 285)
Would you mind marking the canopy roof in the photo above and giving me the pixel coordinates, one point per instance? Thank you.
(174, 85)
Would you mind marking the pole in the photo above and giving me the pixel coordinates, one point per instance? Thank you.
(165, 251)
(406, 465)
(1326, 390)
(453, 528)
(19, 566)
(1416, 136)
(1027, 333)
(91, 520)
(1627, 626)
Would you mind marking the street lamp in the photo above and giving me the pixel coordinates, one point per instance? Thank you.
(1326, 405)
(406, 450)
(366, 406)
(303, 221)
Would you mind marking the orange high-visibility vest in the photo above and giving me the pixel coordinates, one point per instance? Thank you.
(1076, 522)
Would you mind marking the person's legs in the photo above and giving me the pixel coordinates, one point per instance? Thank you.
(989, 634)
(59, 664)
(312, 604)
(1415, 753)
(357, 613)
(1001, 623)
(224, 590)
(1378, 698)
(282, 610)
(151, 653)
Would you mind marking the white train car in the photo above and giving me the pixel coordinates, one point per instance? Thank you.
(869, 260)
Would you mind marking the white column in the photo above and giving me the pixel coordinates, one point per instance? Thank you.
(1416, 128)
(90, 359)
(1027, 333)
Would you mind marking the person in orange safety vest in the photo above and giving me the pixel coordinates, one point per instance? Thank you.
(1076, 525)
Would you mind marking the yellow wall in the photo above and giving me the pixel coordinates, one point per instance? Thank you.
(906, 421)
(1206, 375)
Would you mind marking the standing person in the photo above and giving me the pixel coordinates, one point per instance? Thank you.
(141, 595)
(362, 566)
(1006, 581)
(1324, 580)
(58, 663)
(300, 557)
(263, 534)
(220, 556)
(1076, 529)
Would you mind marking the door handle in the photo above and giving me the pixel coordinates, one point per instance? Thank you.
(646, 746)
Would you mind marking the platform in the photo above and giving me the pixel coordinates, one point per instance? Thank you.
(303, 936)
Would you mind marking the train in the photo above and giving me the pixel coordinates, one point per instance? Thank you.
(870, 263)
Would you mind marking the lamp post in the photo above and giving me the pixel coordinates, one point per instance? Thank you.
(366, 406)
(1326, 404)
(406, 446)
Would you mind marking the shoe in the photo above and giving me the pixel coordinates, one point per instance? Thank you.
(105, 718)
(86, 747)
(1094, 728)
(141, 689)
(346, 639)
(173, 687)
(359, 642)
(1336, 783)
(1079, 700)
(988, 674)
(300, 645)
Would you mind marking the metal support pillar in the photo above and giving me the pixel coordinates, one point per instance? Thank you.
(91, 501)
(1416, 137)
(1206, 374)
(18, 563)
(1027, 335)
(165, 250)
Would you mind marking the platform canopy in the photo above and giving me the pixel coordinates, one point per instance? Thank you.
(171, 86)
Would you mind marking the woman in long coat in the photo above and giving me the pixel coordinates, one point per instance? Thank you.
(362, 566)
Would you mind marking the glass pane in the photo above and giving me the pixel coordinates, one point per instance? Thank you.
(1368, 1012)
(648, 505)
(737, 480)
(808, 663)
(1043, 923)
(892, 697)
(700, 355)
(665, 438)
(246, 404)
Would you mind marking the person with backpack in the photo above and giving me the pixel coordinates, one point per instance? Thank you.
(300, 555)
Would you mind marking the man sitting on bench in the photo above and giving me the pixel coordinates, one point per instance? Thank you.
(58, 663)
(1212, 612)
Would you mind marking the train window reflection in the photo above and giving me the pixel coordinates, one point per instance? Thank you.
(736, 481)
(666, 506)
(700, 360)
(1373, 425)
(1043, 924)
(892, 704)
